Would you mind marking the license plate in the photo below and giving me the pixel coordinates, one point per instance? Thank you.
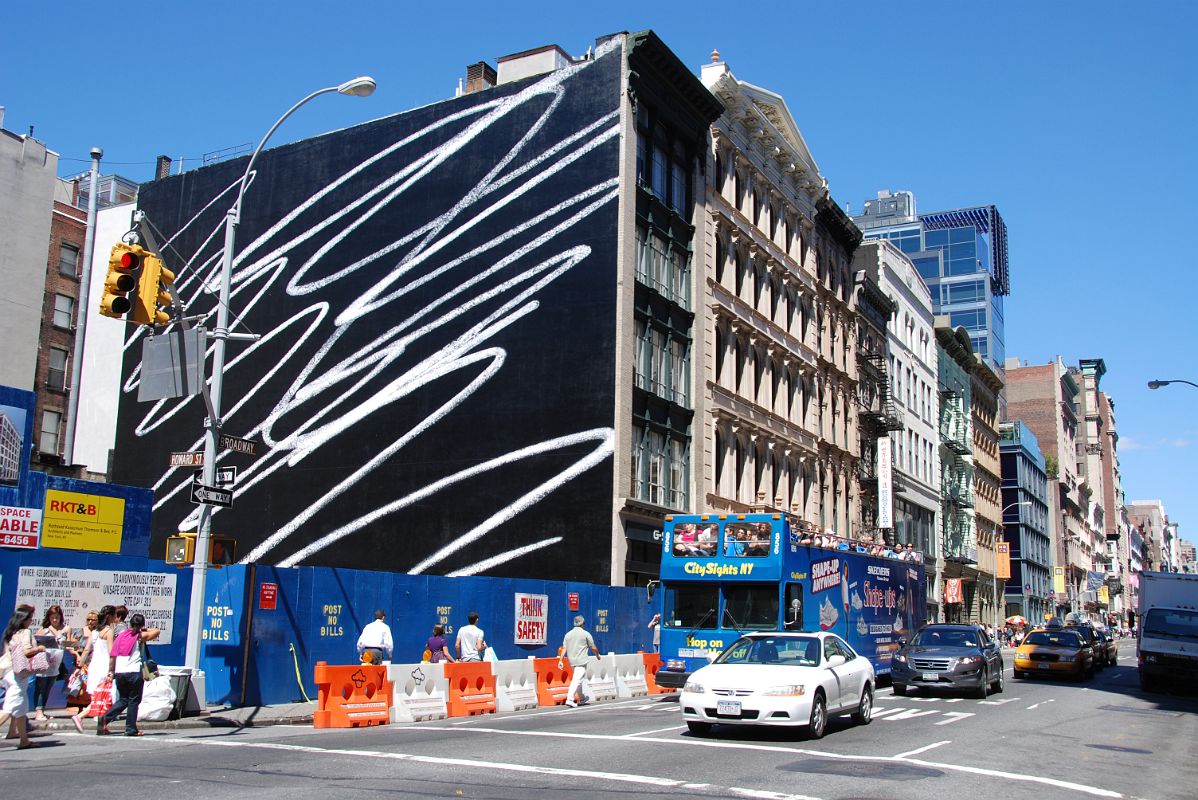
(931, 676)
(728, 707)
(1043, 666)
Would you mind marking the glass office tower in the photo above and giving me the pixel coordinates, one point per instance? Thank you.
(962, 255)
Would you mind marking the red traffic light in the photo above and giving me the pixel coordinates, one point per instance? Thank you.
(130, 260)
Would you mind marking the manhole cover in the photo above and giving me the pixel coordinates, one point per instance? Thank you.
(883, 770)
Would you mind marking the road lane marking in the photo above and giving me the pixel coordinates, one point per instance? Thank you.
(953, 700)
(880, 712)
(659, 730)
(1042, 702)
(923, 749)
(910, 714)
(998, 702)
(637, 704)
(767, 795)
(955, 716)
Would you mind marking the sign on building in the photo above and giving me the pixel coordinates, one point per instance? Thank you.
(151, 594)
(532, 618)
(885, 484)
(75, 521)
(20, 527)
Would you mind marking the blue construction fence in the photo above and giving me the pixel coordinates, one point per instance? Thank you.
(266, 627)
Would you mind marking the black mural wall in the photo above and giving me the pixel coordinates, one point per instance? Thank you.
(435, 293)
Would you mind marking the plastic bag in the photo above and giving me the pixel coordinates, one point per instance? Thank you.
(489, 654)
(102, 699)
(157, 700)
(76, 682)
(53, 663)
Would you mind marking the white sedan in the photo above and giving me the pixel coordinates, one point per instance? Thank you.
(788, 679)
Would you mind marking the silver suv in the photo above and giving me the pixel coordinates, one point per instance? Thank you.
(948, 657)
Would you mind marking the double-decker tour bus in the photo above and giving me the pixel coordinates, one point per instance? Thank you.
(725, 574)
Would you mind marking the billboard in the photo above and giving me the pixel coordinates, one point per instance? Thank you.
(433, 389)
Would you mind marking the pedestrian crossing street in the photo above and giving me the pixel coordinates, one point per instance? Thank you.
(896, 709)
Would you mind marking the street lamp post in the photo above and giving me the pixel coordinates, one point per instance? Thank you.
(358, 87)
(1159, 384)
(994, 576)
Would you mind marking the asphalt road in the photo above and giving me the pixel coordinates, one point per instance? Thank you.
(1038, 739)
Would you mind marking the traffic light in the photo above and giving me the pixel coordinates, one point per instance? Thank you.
(222, 551)
(152, 303)
(181, 549)
(123, 264)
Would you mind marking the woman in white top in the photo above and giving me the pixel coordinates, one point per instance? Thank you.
(95, 659)
(17, 636)
(52, 625)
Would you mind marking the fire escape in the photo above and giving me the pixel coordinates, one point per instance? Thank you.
(956, 483)
(878, 415)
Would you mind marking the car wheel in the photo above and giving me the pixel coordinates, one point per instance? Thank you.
(998, 682)
(982, 691)
(1147, 683)
(698, 728)
(1019, 674)
(819, 717)
(900, 689)
(865, 708)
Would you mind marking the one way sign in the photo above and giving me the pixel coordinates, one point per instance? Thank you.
(201, 494)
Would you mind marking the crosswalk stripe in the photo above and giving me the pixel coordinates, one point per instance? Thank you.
(911, 714)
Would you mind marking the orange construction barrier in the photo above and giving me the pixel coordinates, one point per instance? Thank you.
(353, 696)
(652, 664)
(553, 681)
(471, 688)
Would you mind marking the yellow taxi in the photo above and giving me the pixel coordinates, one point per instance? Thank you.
(1053, 651)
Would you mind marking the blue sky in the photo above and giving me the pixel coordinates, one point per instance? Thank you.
(1075, 118)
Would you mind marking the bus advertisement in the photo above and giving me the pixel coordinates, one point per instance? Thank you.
(725, 574)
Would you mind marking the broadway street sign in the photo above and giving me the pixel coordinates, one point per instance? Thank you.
(238, 445)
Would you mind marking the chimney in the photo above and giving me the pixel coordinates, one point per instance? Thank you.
(479, 76)
(163, 168)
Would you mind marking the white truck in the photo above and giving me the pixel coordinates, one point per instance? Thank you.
(1167, 641)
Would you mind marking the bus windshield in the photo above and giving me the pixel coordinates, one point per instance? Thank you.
(751, 608)
(692, 606)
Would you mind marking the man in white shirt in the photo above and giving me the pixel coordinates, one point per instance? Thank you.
(376, 639)
(470, 643)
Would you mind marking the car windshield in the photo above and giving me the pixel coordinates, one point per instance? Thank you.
(945, 637)
(1054, 639)
(1173, 623)
(800, 651)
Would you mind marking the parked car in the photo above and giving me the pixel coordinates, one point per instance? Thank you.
(1053, 651)
(945, 656)
(780, 679)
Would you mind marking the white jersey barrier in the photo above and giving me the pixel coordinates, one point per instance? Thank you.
(601, 675)
(419, 692)
(630, 676)
(515, 685)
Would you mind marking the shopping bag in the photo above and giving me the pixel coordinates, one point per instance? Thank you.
(76, 682)
(157, 700)
(102, 699)
(53, 663)
(489, 654)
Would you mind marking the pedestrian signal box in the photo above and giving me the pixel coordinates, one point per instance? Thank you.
(181, 549)
(222, 551)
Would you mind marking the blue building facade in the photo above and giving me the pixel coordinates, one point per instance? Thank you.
(1025, 522)
(961, 255)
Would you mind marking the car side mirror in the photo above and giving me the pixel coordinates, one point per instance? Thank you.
(835, 661)
(902, 642)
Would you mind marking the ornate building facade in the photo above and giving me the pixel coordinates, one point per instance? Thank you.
(779, 385)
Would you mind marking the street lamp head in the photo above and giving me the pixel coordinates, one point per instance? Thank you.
(1157, 384)
(358, 87)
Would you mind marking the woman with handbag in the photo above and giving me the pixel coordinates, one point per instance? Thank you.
(95, 660)
(22, 657)
(129, 667)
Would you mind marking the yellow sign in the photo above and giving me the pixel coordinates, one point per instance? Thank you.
(73, 521)
(1058, 580)
(1103, 596)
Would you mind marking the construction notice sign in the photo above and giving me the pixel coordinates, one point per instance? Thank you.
(74, 521)
(20, 527)
(532, 618)
(151, 594)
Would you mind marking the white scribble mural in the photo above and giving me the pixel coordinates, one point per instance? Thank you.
(435, 295)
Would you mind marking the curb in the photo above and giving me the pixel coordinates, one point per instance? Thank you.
(194, 723)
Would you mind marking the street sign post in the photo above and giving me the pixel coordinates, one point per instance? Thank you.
(247, 447)
(187, 459)
(213, 496)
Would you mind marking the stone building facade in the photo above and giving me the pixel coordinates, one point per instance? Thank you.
(779, 335)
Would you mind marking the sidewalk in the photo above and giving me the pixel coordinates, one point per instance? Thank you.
(213, 717)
